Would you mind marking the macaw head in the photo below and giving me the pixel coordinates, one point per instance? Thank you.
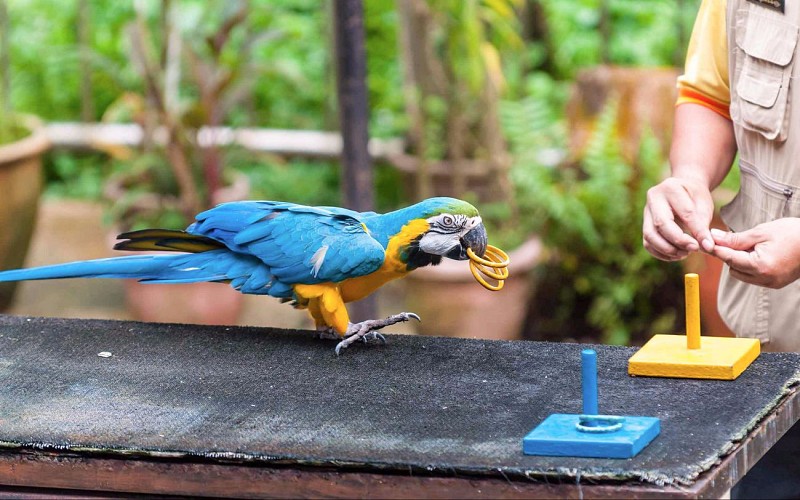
(453, 227)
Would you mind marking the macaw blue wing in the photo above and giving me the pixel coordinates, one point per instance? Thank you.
(299, 244)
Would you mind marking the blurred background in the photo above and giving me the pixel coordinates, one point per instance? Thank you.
(552, 117)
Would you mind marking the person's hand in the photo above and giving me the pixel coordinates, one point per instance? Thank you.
(677, 217)
(767, 255)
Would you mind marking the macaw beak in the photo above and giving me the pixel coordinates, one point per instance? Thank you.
(476, 239)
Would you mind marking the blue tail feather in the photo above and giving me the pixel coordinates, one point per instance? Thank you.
(176, 268)
(132, 266)
(246, 273)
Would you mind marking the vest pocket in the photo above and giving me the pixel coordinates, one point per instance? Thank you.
(760, 199)
(744, 308)
(760, 99)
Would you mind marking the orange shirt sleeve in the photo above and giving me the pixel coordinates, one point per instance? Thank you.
(705, 77)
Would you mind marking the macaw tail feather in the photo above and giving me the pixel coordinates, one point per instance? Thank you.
(200, 260)
(165, 240)
(132, 266)
(178, 268)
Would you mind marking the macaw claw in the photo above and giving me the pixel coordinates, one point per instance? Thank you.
(367, 330)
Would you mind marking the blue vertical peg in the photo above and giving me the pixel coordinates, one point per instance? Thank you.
(589, 381)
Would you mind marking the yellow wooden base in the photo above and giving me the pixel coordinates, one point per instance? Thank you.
(718, 357)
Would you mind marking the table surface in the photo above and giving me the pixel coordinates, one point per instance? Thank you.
(246, 401)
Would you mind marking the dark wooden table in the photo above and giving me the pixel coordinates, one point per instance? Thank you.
(249, 412)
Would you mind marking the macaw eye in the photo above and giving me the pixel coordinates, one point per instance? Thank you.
(447, 220)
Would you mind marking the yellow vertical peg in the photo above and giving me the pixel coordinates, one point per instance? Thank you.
(692, 291)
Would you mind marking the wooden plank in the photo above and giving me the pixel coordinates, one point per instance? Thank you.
(308, 143)
(72, 472)
(214, 480)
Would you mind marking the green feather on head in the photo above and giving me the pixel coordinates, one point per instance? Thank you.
(443, 205)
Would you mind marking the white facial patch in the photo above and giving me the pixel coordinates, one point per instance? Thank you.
(438, 244)
(445, 233)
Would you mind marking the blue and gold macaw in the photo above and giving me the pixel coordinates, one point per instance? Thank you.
(318, 258)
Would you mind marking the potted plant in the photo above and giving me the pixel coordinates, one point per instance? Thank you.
(178, 171)
(23, 142)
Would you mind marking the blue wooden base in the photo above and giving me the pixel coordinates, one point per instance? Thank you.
(558, 436)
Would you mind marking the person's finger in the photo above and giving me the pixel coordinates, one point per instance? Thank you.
(745, 240)
(694, 213)
(656, 244)
(662, 212)
(668, 257)
(742, 265)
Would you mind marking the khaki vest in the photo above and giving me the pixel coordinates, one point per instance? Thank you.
(763, 46)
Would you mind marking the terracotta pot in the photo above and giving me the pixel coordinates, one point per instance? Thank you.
(21, 178)
(196, 303)
(451, 303)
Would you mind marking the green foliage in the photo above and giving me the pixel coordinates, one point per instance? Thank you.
(473, 35)
(589, 215)
(312, 182)
(45, 61)
(387, 117)
(534, 128)
(453, 53)
(76, 175)
(294, 87)
(292, 78)
(11, 128)
(639, 34)
(300, 181)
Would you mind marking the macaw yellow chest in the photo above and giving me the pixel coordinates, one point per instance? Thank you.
(358, 288)
(393, 265)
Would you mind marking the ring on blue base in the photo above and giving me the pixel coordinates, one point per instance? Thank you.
(558, 435)
(599, 423)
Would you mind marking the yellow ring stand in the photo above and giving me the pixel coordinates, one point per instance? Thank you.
(687, 356)
(494, 266)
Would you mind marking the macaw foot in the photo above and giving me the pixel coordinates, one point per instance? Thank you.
(327, 333)
(367, 330)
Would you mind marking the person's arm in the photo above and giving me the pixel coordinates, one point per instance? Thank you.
(679, 209)
(702, 152)
(703, 144)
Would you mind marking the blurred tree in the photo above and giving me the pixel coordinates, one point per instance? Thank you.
(536, 31)
(84, 30)
(190, 86)
(452, 61)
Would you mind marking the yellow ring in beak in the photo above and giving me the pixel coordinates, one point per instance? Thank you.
(494, 266)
